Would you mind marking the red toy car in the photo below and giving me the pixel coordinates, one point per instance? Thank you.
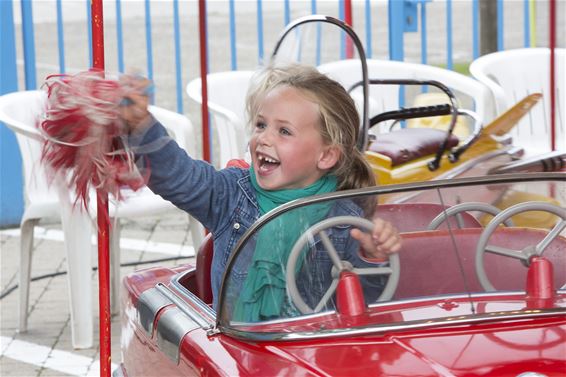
(470, 293)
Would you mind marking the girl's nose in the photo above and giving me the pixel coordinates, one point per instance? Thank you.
(265, 137)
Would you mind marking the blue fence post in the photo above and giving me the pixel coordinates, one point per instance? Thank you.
(233, 53)
(396, 29)
(500, 25)
(260, 31)
(148, 44)
(119, 37)
(11, 192)
(29, 45)
(178, 71)
(60, 37)
(367, 8)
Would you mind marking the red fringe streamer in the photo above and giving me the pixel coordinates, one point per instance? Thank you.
(82, 129)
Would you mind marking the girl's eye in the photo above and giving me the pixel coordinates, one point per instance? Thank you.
(260, 125)
(285, 131)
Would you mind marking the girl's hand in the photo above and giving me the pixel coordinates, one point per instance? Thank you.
(383, 240)
(133, 109)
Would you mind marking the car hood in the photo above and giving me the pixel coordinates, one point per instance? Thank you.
(508, 348)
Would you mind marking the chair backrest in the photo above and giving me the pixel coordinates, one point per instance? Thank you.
(20, 112)
(412, 217)
(471, 94)
(179, 127)
(226, 103)
(513, 74)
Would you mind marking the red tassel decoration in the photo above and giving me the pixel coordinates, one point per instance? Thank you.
(82, 129)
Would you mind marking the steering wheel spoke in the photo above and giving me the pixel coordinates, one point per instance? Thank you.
(331, 250)
(555, 232)
(393, 270)
(517, 254)
(529, 250)
(327, 295)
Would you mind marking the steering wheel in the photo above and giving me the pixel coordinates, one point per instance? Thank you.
(526, 253)
(338, 265)
(464, 207)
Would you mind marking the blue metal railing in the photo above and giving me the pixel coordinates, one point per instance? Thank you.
(402, 16)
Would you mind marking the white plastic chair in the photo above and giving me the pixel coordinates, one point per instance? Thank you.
(226, 104)
(471, 94)
(19, 111)
(513, 74)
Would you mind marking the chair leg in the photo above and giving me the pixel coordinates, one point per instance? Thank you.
(26, 247)
(77, 228)
(115, 267)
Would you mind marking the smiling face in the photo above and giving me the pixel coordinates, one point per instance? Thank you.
(286, 145)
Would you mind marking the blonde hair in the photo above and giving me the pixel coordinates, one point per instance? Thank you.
(339, 119)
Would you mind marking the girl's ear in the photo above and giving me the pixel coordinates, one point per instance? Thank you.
(329, 158)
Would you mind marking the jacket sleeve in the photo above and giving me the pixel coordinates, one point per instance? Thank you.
(194, 186)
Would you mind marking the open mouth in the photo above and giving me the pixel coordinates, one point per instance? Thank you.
(266, 163)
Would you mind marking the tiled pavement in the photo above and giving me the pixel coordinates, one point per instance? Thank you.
(46, 349)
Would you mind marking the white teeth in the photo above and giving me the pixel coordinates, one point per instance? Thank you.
(267, 159)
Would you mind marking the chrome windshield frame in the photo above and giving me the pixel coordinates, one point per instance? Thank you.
(375, 190)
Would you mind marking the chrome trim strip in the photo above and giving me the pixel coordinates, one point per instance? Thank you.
(183, 307)
(190, 295)
(172, 327)
(323, 334)
(150, 302)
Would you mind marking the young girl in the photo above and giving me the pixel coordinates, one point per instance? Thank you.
(303, 142)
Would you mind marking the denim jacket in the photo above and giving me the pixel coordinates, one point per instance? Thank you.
(224, 201)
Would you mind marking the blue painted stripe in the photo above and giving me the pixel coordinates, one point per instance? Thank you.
(396, 21)
(119, 36)
(368, 29)
(60, 37)
(178, 73)
(318, 33)
(500, 25)
(233, 52)
(11, 193)
(475, 29)
(29, 45)
(260, 31)
(148, 44)
(424, 50)
(89, 31)
(526, 23)
(449, 50)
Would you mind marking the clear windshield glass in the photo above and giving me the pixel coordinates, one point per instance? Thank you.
(301, 270)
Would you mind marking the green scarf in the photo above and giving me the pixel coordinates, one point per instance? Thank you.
(264, 291)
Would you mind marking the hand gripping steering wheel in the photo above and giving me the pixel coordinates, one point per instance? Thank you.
(527, 252)
(338, 265)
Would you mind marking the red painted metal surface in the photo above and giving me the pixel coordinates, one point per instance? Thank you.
(204, 85)
(552, 41)
(540, 284)
(348, 18)
(490, 348)
(349, 295)
(102, 207)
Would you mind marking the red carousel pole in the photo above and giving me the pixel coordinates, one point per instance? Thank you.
(102, 208)
(552, 34)
(349, 19)
(203, 81)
